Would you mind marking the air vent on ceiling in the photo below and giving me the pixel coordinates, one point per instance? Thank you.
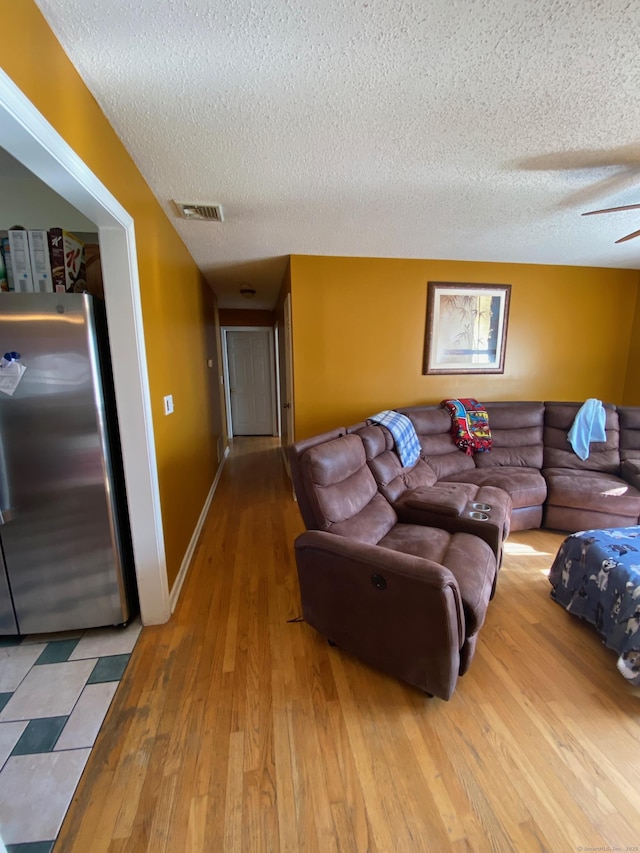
(209, 212)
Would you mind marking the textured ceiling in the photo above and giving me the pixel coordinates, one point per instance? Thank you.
(458, 129)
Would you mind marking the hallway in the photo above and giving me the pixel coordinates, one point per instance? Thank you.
(236, 729)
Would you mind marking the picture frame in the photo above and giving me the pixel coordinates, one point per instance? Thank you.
(466, 328)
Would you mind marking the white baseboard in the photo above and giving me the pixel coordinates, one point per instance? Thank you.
(186, 561)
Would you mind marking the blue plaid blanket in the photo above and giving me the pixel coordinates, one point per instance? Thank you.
(407, 443)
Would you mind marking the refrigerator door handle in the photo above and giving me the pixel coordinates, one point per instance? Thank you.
(6, 515)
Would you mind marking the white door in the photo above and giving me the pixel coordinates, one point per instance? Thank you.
(249, 359)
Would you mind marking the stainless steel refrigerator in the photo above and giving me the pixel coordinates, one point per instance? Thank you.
(66, 558)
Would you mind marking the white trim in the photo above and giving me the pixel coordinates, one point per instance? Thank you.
(276, 355)
(225, 368)
(29, 137)
(186, 560)
(225, 374)
(288, 358)
(275, 430)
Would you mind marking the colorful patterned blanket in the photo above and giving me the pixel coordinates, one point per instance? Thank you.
(470, 425)
(596, 576)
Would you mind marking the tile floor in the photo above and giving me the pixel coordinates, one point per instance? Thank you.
(55, 691)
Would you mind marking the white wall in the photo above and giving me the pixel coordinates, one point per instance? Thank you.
(28, 201)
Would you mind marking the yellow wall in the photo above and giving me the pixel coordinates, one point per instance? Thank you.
(245, 317)
(173, 308)
(359, 324)
(632, 385)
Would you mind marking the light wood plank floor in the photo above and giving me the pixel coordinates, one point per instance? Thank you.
(235, 729)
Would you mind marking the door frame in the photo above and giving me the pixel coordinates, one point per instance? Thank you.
(272, 367)
(288, 361)
(276, 354)
(28, 136)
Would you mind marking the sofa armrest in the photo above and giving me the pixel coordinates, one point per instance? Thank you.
(397, 612)
(372, 558)
(630, 471)
(436, 499)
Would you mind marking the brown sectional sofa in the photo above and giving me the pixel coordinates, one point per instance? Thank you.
(406, 598)
(513, 464)
(629, 420)
(592, 493)
(406, 583)
(418, 498)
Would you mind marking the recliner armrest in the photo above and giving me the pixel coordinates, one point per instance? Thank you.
(374, 557)
(436, 499)
(395, 611)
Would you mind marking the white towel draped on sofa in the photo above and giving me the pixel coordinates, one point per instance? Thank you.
(588, 426)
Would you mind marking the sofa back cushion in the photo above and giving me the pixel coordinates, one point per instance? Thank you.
(343, 492)
(516, 433)
(433, 426)
(294, 454)
(392, 479)
(558, 453)
(629, 417)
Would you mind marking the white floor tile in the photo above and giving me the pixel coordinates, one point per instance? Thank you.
(9, 737)
(37, 791)
(99, 642)
(15, 663)
(84, 723)
(50, 690)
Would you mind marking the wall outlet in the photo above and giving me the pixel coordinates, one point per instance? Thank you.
(168, 404)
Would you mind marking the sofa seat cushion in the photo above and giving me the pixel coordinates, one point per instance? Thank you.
(525, 486)
(470, 560)
(592, 490)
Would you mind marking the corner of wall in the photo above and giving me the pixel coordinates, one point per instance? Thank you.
(631, 393)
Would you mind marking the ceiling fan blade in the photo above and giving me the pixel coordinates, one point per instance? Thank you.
(613, 209)
(629, 237)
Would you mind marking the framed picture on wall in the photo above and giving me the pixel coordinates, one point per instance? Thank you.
(466, 329)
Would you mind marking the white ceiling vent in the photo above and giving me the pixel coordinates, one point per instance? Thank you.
(209, 212)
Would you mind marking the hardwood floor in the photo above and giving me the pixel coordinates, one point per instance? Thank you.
(236, 729)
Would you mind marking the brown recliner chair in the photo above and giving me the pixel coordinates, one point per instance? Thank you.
(405, 598)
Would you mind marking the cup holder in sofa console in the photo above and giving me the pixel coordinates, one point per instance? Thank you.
(479, 516)
(481, 507)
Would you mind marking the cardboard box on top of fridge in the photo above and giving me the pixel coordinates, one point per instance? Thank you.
(66, 254)
(4, 275)
(20, 260)
(40, 263)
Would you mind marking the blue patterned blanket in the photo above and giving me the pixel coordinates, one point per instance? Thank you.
(404, 435)
(596, 576)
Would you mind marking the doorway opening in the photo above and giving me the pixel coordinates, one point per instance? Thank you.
(32, 141)
(250, 380)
